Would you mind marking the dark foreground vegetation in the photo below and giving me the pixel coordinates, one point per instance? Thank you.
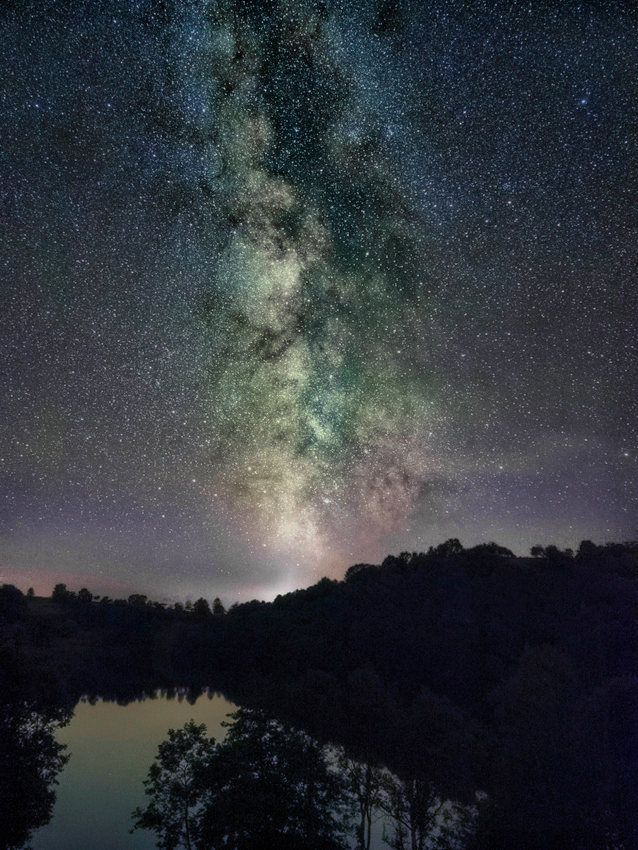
(464, 671)
(269, 786)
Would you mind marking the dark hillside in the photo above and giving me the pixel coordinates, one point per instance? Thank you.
(514, 675)
(469, 670)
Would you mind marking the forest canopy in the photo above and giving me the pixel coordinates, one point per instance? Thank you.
(465, 670)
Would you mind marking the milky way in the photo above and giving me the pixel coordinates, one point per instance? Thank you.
(289, 286)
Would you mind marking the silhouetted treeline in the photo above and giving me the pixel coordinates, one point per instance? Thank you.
(479, 670)
(101, 645)
(469, 670)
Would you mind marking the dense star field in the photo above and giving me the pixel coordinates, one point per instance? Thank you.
(291, 285)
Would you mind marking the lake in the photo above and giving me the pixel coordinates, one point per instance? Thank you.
(112, 747)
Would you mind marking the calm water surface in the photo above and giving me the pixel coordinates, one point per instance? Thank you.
(112, 748)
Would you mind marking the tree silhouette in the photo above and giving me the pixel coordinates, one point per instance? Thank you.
(30, 757)
(62, 595)
(265, 787)
(85, 596)
(13, 605)
(201, 608)
(174, 812)
(368, 787)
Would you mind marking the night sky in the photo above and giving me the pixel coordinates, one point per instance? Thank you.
(291, 286)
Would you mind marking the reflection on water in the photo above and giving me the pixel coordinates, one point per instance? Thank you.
(111, 747)
(267, 786)
(30, 761)
(271, 786)
(264, 780)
